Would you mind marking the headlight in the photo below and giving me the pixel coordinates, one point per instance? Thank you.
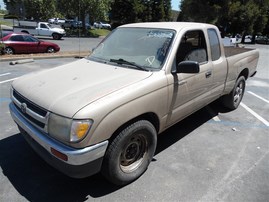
(79, 129)
(68, 130)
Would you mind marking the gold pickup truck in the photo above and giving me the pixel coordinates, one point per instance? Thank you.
(104, 112)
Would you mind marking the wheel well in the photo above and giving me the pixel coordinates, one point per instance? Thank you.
(151, 117)
(24, 31)
(244, 73)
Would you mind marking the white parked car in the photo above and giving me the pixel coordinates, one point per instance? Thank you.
(56, 21)
(102, 25)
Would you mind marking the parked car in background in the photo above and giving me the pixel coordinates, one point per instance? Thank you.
(75, 24)
(51, 20)
(57, 21)
(68, 23)
(25, 43)
(39, 29)
(262, 40)
(101, 25)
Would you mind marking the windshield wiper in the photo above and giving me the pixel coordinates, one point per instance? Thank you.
(125, 62)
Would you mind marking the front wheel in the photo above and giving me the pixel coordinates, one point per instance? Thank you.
(130, 153)
(50, 50)
(56, 36)
(233, 99)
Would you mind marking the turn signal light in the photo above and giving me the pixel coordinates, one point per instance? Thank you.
(58, 154)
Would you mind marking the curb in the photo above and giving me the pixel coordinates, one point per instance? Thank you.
(17, 58)
(21, 61)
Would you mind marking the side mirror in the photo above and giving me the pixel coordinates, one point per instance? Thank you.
(188, 67)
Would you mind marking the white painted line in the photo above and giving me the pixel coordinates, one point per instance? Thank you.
(258, 96)
(255, 114)
(4, 74)
(8, 80)
(216, 118)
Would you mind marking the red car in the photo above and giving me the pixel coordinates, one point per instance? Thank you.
(25, 43)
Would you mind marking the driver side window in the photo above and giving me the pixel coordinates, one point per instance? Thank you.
(192, 47)
(43, 26)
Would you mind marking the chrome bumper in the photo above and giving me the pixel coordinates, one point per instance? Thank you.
(76, 157)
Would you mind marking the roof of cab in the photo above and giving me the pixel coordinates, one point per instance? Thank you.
(170, 25)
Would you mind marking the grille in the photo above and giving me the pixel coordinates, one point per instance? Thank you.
(31, 112)
(29, 104)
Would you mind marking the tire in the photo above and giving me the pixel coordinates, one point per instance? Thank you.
(9, 51)
(56, 36)
(50, 50)
(233, 99)
(130, 153)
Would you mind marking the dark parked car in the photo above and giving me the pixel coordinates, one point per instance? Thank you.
(25, 43)
(75, 24)
(262, 40)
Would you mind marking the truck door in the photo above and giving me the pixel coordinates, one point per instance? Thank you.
(43, 30)
(190, 91)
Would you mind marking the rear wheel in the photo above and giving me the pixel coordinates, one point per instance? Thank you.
(130, 153)
(233, 99)
(8, 51)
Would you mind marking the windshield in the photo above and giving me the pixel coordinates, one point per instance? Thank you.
(144, 47)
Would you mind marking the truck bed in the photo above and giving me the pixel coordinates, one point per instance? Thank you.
(230, 51)
(239, 59)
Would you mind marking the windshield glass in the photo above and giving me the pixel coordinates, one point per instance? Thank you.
(145, 47)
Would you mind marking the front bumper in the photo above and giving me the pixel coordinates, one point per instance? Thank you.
(80, 162)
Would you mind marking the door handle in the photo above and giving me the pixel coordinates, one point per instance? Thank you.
(208, 74)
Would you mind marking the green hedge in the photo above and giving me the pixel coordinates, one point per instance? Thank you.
(89, 33)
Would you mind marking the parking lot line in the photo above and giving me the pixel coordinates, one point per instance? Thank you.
(1, 82)
(4, 74)
(255, 114)
(258, 96)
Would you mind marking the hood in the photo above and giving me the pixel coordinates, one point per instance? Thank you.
(59, 30)
(67, 89)
(47, 43)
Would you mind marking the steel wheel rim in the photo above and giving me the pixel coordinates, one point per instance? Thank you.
(238, 92)
(51, 50)
(8, 51)
(133, 153)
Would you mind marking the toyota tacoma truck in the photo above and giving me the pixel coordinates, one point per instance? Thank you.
(40, 29)
(103, 113)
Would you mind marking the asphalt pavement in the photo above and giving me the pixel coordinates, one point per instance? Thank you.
(213, 155)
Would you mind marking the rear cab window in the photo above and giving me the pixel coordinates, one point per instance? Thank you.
(214, 44)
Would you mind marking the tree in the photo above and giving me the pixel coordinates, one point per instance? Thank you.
(97, 9)
(231, 16)
(130, 11)
(40, 9)
(126, 11)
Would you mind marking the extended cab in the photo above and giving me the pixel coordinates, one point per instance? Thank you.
(103, 112)
(40, 29)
